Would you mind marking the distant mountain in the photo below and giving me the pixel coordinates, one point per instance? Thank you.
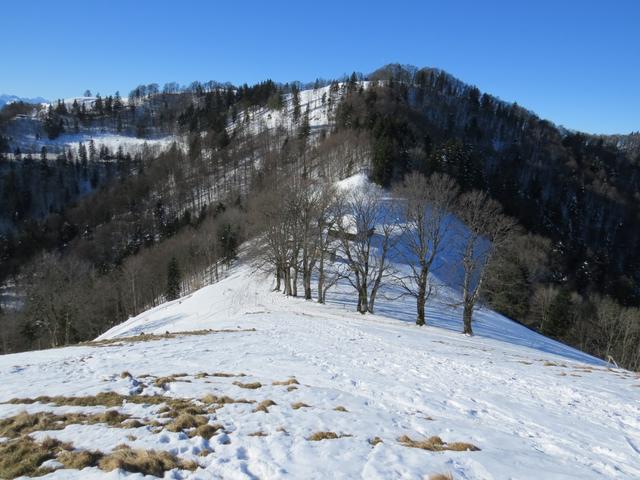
(4, 99)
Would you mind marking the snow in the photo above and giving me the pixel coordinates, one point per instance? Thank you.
(525, 401)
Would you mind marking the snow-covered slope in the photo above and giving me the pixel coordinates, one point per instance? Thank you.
(533, 414)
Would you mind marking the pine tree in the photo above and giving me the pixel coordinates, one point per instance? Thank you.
(173, 280)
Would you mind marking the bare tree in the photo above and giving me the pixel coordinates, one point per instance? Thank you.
(364, 228)
(426, 204)
(484, 232)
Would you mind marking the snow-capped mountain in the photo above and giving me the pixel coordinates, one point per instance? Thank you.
(4, 99)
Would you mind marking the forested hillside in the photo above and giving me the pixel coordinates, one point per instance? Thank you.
(83, 222)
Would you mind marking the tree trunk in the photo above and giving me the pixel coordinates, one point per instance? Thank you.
(307, 285)
(421, 298)
(363, 304)
(278, 283)
(287, 281)
(294, 283)
(321, 279)
(466, 317)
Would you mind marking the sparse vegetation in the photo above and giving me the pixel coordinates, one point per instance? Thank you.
(147, 462)
(206, 431)
(291, 381)
(340, 408)
(185, 421)
(375, 441)
(441, 476)
(149, 337)
(436, 444)
(324, 435)
(24, 423)
(299, 405)
(210, 398)
(264, 405)
(23, 456)
(250, 386)
(79, 459)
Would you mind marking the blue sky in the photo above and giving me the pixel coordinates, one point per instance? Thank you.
(576, 63)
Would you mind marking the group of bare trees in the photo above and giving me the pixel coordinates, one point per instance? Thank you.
(306, 227)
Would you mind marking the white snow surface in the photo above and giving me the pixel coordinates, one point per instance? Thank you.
(535, 408)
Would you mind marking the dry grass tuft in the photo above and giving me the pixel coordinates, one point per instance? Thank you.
(223, 400)
(24, 423)
(206, 431)
(291, 381)
(375, 441)
(436, 444)
(259, 433)
(106, 399)
(226, 375)
(163, 382)
(318, 436)
(79, 459)
(291, 388)
(554, 364)
(299, 405)
(184, 421)
(148, 337)
(264, 405)
(23, 456)
(126, 374)
(147, 462)
(250, 386)
(340, 408)
(441, 476)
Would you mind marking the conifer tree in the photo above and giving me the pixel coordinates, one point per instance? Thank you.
(173, 280)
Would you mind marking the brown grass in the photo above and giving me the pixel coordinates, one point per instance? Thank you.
(340, 408)
(223, 400)
(24, 423)
(436, 444)
(250, 386)
(147, 462)
(185, 421)
(291, 381)
(162, 382)
(23, 456)
(291, 388)
(206, 431)
(259, 433)
(79, 459)
(106, 399)
(126, 374)
(299, 405)
(441, 476)
(148, 337)
(264, 405)
(375, 441)
(554, 364)
(219, 374)
(318, 436)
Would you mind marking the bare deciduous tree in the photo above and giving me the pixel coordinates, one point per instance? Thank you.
(364, 228)
(484, 232)
(426, 204)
